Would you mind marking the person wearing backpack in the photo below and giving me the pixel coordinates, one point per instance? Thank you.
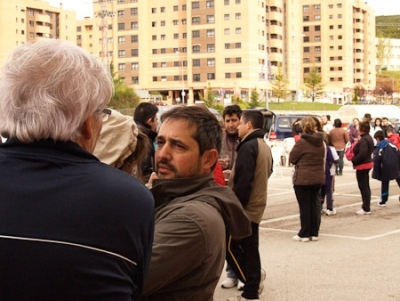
(386, 165)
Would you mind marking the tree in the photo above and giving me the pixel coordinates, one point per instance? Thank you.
(254, 98)
(124, 96)
(313, 83)
(209, 97)
(279, 84)
(383, 51)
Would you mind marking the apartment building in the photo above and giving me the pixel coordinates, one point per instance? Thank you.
(338, 38)
(180, 47)
(390, 54)
(23, 21)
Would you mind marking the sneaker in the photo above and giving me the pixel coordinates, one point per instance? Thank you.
(240, 285)
(330, 212)
(298, 238)
(362, 212)
(381, 204)
(229, 282)
(314, 238)
(262, 279)
(323, 211)
(240, 298)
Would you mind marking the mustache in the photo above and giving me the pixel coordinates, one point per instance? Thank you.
(166, 163)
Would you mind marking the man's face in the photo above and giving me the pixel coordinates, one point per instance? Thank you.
(244, 128)
(324, 120)
(153, 123)
(177, 154)
(231, 123)
(384, 121)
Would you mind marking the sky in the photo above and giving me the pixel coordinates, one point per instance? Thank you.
(84, 7)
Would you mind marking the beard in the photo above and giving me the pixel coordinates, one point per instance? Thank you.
(194, 170)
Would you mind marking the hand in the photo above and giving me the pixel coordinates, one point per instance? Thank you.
(153, 176)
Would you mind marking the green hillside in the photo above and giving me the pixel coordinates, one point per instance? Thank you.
(388, 26)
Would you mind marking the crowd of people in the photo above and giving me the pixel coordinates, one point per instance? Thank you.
(97, 205)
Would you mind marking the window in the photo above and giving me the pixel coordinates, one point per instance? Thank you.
(317, 38)
(196, 77)
(162, 37)
(135, 79)
(175, 8)
(184, 7)
(239, 45)
(306, 7)
(317, 28)
(330, 16)
(121, 40)
(196, 48)
(317, 6)
(176, 36)
(154, 65)
(153, 10)
(121, 53)
(154, 78)
(195, 5)
(306, 70)
(330, 27)
(238, 60)
(184, 35)
(318, 49)
(237, 1)
(134, 11)
(153, 37)
(134, 52)
(196, 20)
(340, 58)
(238, 16)
(79, 29)
(339, 5)
(339, 37)
(317, 17)
(227, 60)
(331, 37)
(306, 49)
(340, 68)
(79, 37)
(340, 47)
(121, 13)
(196, 34)
(331, 68)
(340, 79)
(121, 67)
(121, 1)
(226, 2)
(339, 16)
(210, 75)
(339, 26)
(121, 26)
(184, 21)
(210, 19)
(196, 62)
(154, 51)
(153, 24)
(306, 39)
(163, 65)
(227, 31)
(210, 62)
(210, 47)
(226, 17)
(227, 46)
(332, 79)
(306, 18)
(162, 23)
(175, 22)
(331, 47)
(162, 9)
(134, 39)
(238, 30)
(135, 66)
(31, 12)
(176, 77)
(306, 60)
(134, 25)
(210, 4)
(331, 58)
(210, 33)
(306, 28)
(238, 74)
(163, 50)
(227, 75)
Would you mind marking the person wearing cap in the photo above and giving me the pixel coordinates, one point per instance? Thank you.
(71, 227)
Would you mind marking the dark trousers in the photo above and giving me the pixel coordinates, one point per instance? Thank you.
(327, 190)
(339, 167)
(244, 259)
(385, 190)
(363, 184)
(310, 209)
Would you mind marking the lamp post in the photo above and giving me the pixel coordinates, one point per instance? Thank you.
(183, 93)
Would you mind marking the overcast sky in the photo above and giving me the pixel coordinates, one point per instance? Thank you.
(84, 7)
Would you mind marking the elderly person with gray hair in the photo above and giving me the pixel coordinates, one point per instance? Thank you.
(71, 227)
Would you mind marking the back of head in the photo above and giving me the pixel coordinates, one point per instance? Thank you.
(255, 117)
(144, 111)
(117, 140)
(379, 135)
(337, 123)
(364, 126)
(208, 132)
(367, 117)
(232, 109)
(49, 89)
(309, 125)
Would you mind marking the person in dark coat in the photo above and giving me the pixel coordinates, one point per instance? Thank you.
(386, 165)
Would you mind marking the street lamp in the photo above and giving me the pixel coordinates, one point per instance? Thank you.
(183, 93)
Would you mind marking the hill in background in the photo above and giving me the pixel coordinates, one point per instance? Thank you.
(388, 26)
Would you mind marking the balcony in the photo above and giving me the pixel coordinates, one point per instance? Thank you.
(359, 55)
(42, 18)
(275, 43)
(359, 35)
(274, 15)
(42, 29)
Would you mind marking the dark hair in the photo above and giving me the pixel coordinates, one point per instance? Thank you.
(376, 120)
(208, 132)
(337, 123)
(380, 135)
(255, 117)
(368, 116)
(329, 140)
(318, 124)
(364, 127)
(328, 117)
(144, 111)
(232, 109)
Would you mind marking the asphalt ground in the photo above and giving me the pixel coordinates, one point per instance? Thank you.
(355, 258)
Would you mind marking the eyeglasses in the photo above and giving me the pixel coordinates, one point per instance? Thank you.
(105, 114)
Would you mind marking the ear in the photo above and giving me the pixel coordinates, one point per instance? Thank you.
(150, 120)
(87, 133)
(209, 158)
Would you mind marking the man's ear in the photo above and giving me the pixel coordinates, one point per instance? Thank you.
(149, 120)
(85, 139)
(209, 158)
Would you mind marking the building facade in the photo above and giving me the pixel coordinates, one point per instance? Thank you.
(25, 21)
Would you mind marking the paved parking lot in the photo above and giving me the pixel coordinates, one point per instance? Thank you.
(356, 257)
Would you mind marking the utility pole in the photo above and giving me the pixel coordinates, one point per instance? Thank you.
(104, 14)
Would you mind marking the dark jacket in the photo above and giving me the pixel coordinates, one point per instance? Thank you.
(363, 150)
(71, 227)
(249, 178)
(192, 216)
(308, 158)
(386, 161)
(148, 163)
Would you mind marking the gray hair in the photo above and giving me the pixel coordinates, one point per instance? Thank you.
(48, 89)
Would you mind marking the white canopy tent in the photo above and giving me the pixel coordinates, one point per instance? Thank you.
(348, 112)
